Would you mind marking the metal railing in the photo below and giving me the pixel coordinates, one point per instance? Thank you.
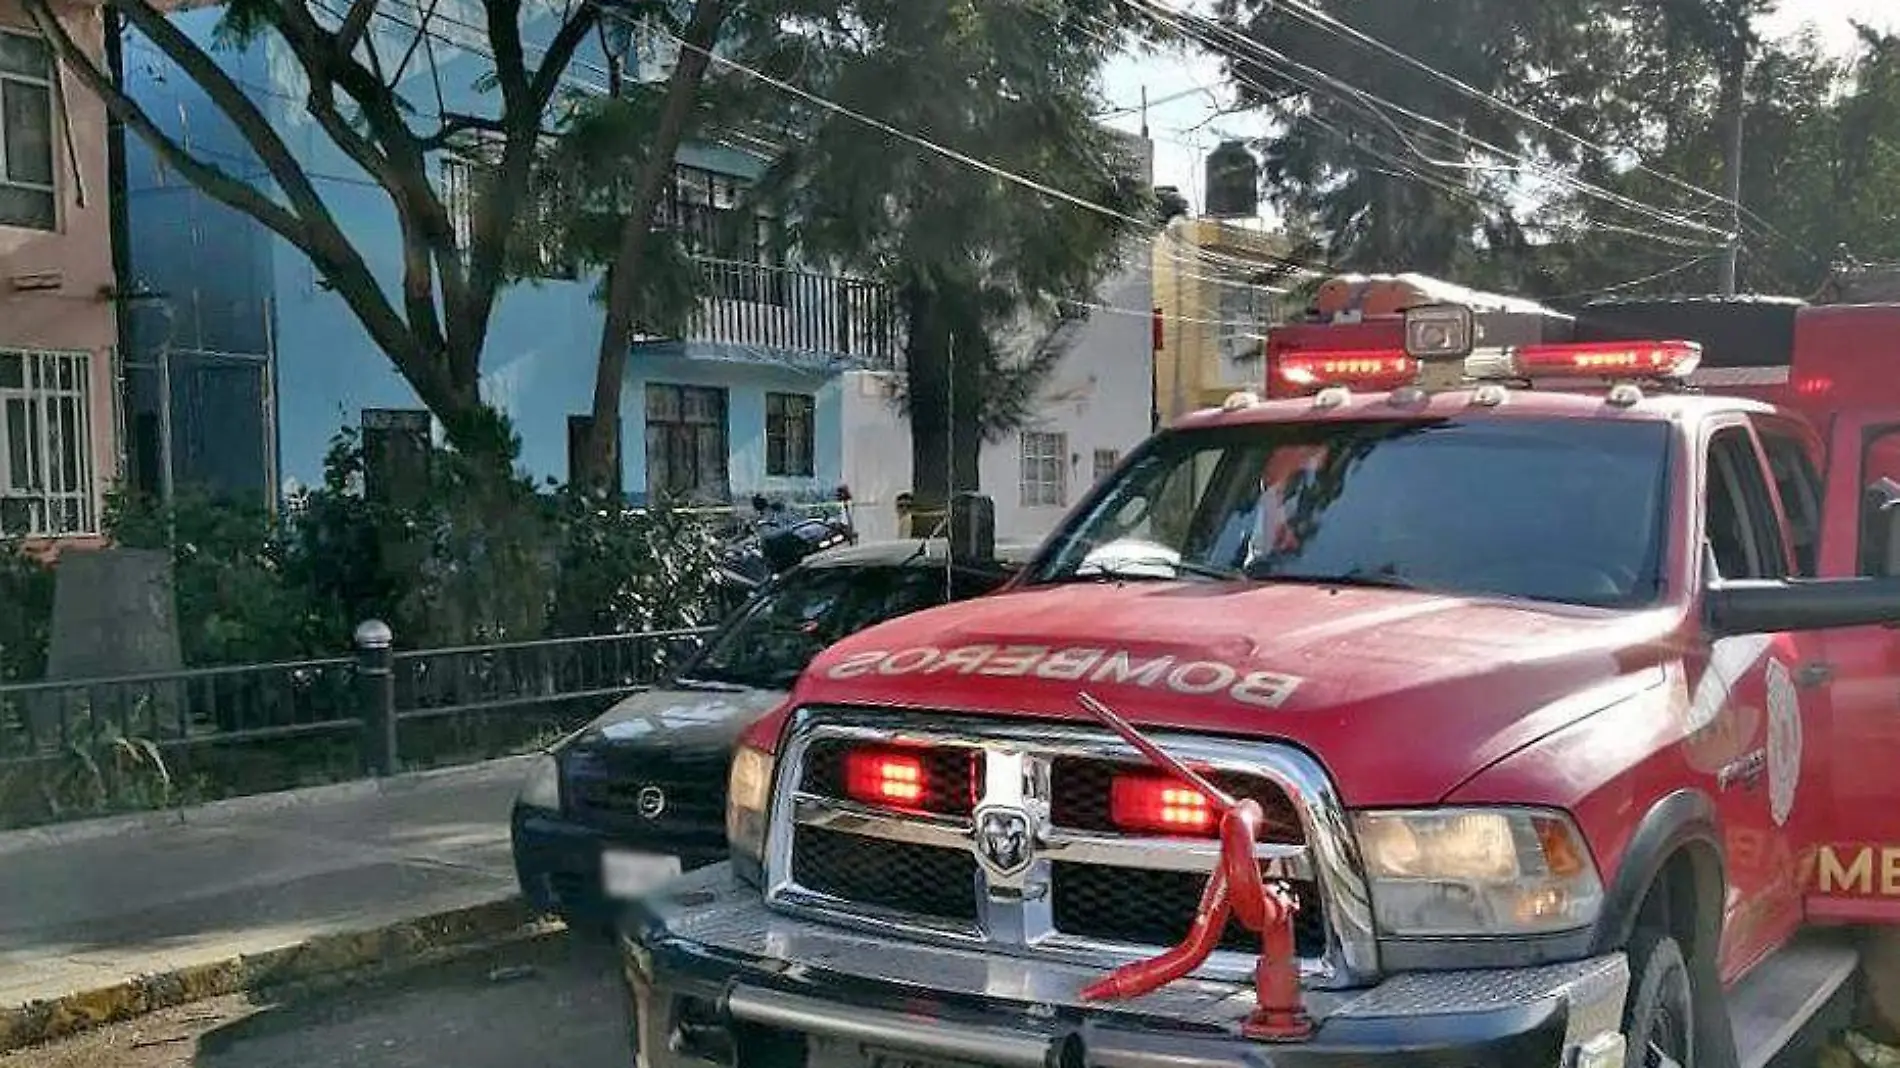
(800, 311)
(392, 708)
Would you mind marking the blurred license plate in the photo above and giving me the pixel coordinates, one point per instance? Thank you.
(626, 875)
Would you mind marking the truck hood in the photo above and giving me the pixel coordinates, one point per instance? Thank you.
(676, 723)
(1402, 695)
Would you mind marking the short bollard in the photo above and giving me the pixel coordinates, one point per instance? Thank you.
(375, 675)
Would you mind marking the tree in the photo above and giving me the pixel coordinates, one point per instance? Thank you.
(969, 252)
(1402, 169)
(355, 68)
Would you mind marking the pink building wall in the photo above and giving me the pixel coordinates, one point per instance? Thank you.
(55, 286)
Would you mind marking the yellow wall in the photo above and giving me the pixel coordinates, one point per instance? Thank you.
(1190, 262)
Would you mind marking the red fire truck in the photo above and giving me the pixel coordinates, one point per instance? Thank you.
(1494, 694)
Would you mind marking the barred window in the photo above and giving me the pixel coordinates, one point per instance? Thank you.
(1045, 469)
(45, 445)
(789, 418)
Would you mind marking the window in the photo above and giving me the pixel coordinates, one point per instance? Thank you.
(788, 434)
(26, 133)
(1880, 504)
(1389, 503)
(1045, 470)
(798, 615)
(1799, 485)
(1105, 461)
(1742, 535)
(45, 444)
(537, 249)
(686, 442)
(709, 212)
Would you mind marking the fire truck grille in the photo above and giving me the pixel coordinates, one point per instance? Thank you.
(1147, 907)
(922, 880)
(1081, 788)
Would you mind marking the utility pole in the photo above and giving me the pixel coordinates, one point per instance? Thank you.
(1735, 105)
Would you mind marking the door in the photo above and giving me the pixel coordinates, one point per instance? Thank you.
(1857, 869)
(1747, 690)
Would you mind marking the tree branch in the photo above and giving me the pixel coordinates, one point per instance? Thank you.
(354, 24)
(231, 100)
(341, 265)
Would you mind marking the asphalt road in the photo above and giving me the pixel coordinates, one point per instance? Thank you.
(551, 1002)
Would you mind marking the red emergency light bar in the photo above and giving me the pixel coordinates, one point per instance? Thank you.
(1366, 369)
(1608, 359)
(1296, 373)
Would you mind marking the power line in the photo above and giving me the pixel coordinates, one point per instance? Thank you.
(1266, 56)
(1316, 17)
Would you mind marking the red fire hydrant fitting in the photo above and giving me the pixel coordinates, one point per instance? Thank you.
(1236, 888)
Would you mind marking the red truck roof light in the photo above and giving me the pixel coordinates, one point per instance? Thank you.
(1367, 369)
(1607, 359)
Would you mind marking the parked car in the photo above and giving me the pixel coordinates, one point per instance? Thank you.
(639, 794)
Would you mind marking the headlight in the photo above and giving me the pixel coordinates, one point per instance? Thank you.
(748, 795)
(542, 787)
(1474, 872)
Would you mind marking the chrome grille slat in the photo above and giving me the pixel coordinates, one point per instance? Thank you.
(1015, 914)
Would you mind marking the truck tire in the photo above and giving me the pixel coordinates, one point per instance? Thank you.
(1659, 1023)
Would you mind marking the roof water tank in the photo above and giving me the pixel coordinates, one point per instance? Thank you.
(1233, 182)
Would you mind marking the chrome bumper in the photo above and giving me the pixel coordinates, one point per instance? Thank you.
(720, 980)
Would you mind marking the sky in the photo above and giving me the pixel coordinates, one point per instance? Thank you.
(1186, 90)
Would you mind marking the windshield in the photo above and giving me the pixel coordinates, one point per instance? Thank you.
(810, 608)
(1564, 510)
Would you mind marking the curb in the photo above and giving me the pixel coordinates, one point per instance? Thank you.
(405, 941)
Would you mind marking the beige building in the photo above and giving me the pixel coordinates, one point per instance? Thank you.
(58, 338)
(1212, 312)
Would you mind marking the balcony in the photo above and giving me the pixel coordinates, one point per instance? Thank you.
(799, 315)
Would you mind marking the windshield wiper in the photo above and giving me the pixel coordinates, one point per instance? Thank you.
(708, 685)
(1144, 570)
(1383, 578)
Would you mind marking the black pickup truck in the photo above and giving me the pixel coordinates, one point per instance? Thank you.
(639, 794)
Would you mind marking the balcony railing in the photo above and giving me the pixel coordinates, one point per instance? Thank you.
(844, 319)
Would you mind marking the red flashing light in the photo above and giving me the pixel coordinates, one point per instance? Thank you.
(885, 777)
(1367, 369)
(1609, 359)
(1158, 804)
(1818, 386)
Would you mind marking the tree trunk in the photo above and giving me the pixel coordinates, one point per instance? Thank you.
(600, 458)
(944, 364)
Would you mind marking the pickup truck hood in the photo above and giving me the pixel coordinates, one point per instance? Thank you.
(665, 723)
(1403, 695)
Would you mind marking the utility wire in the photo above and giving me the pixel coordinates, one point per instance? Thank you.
(1316, 17)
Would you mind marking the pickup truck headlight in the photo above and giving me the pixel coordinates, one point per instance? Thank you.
(541, 788)
(748, 796)
(1477, 872)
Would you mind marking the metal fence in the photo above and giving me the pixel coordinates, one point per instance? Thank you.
(381, 702)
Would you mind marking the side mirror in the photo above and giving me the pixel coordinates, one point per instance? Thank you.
(1766, 607)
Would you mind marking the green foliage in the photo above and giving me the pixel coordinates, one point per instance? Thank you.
(599, 594)
(475, 558)
(26, 614)
(972, 253)
(1391, 191)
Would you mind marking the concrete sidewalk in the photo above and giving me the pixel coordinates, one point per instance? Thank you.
(110, 918)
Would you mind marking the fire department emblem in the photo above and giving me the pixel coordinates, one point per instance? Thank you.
(1003, 840)
(1784, 741)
